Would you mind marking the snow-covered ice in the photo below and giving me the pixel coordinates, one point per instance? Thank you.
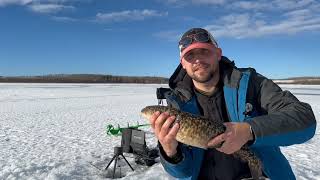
(57, 131)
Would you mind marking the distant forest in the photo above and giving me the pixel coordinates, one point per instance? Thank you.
(98, 78)
(299, 80)
(84, 78)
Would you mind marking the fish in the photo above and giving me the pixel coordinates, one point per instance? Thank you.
(197, 131)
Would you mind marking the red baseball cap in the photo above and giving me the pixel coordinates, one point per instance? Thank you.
(197, 45)
(196, 38)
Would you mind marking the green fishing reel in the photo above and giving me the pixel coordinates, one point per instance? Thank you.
(110, 130)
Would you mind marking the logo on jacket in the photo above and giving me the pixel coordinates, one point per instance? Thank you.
(248, 109)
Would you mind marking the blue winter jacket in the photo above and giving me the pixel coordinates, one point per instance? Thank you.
(277, 119)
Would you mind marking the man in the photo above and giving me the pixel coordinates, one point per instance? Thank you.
(254, 110)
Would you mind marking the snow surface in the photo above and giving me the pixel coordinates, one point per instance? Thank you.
(57, 131)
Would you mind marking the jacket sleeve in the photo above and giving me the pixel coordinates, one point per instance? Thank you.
(181, 169)
(286, 120)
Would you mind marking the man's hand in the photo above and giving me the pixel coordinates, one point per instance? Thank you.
(161, 125)
(235, 136)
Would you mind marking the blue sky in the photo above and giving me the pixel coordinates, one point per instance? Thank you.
(279, 38)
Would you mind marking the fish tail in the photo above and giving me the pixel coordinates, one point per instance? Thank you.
(255, 165)
(255, 169)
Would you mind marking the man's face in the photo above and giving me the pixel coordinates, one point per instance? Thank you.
(202, 64)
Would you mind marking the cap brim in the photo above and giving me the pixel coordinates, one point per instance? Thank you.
(197, 45)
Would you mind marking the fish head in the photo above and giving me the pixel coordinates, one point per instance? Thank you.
(148, 111)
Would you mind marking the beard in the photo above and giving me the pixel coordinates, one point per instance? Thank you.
(202, 73)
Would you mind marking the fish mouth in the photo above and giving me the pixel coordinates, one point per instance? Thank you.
(144, 115)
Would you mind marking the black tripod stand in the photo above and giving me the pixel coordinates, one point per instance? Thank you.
(118, 151)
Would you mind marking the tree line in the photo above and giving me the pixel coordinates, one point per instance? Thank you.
(300, 80)
(98, 78)
(84, 78)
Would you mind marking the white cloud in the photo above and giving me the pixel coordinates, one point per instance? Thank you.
(12, 2)
(174, 3)
(251, 5)
(128, 15)
(271, 5)
(301, 13)
(64, 19)
(291, 4)
(246, 25)
(183, 3)
(48, 8)
(24, 2)
(43, 6)
(212, 2)
(234, 25)
(252, 19)
(168, 35)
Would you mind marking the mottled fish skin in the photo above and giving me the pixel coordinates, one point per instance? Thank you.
(197, 131)
(194, 130)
